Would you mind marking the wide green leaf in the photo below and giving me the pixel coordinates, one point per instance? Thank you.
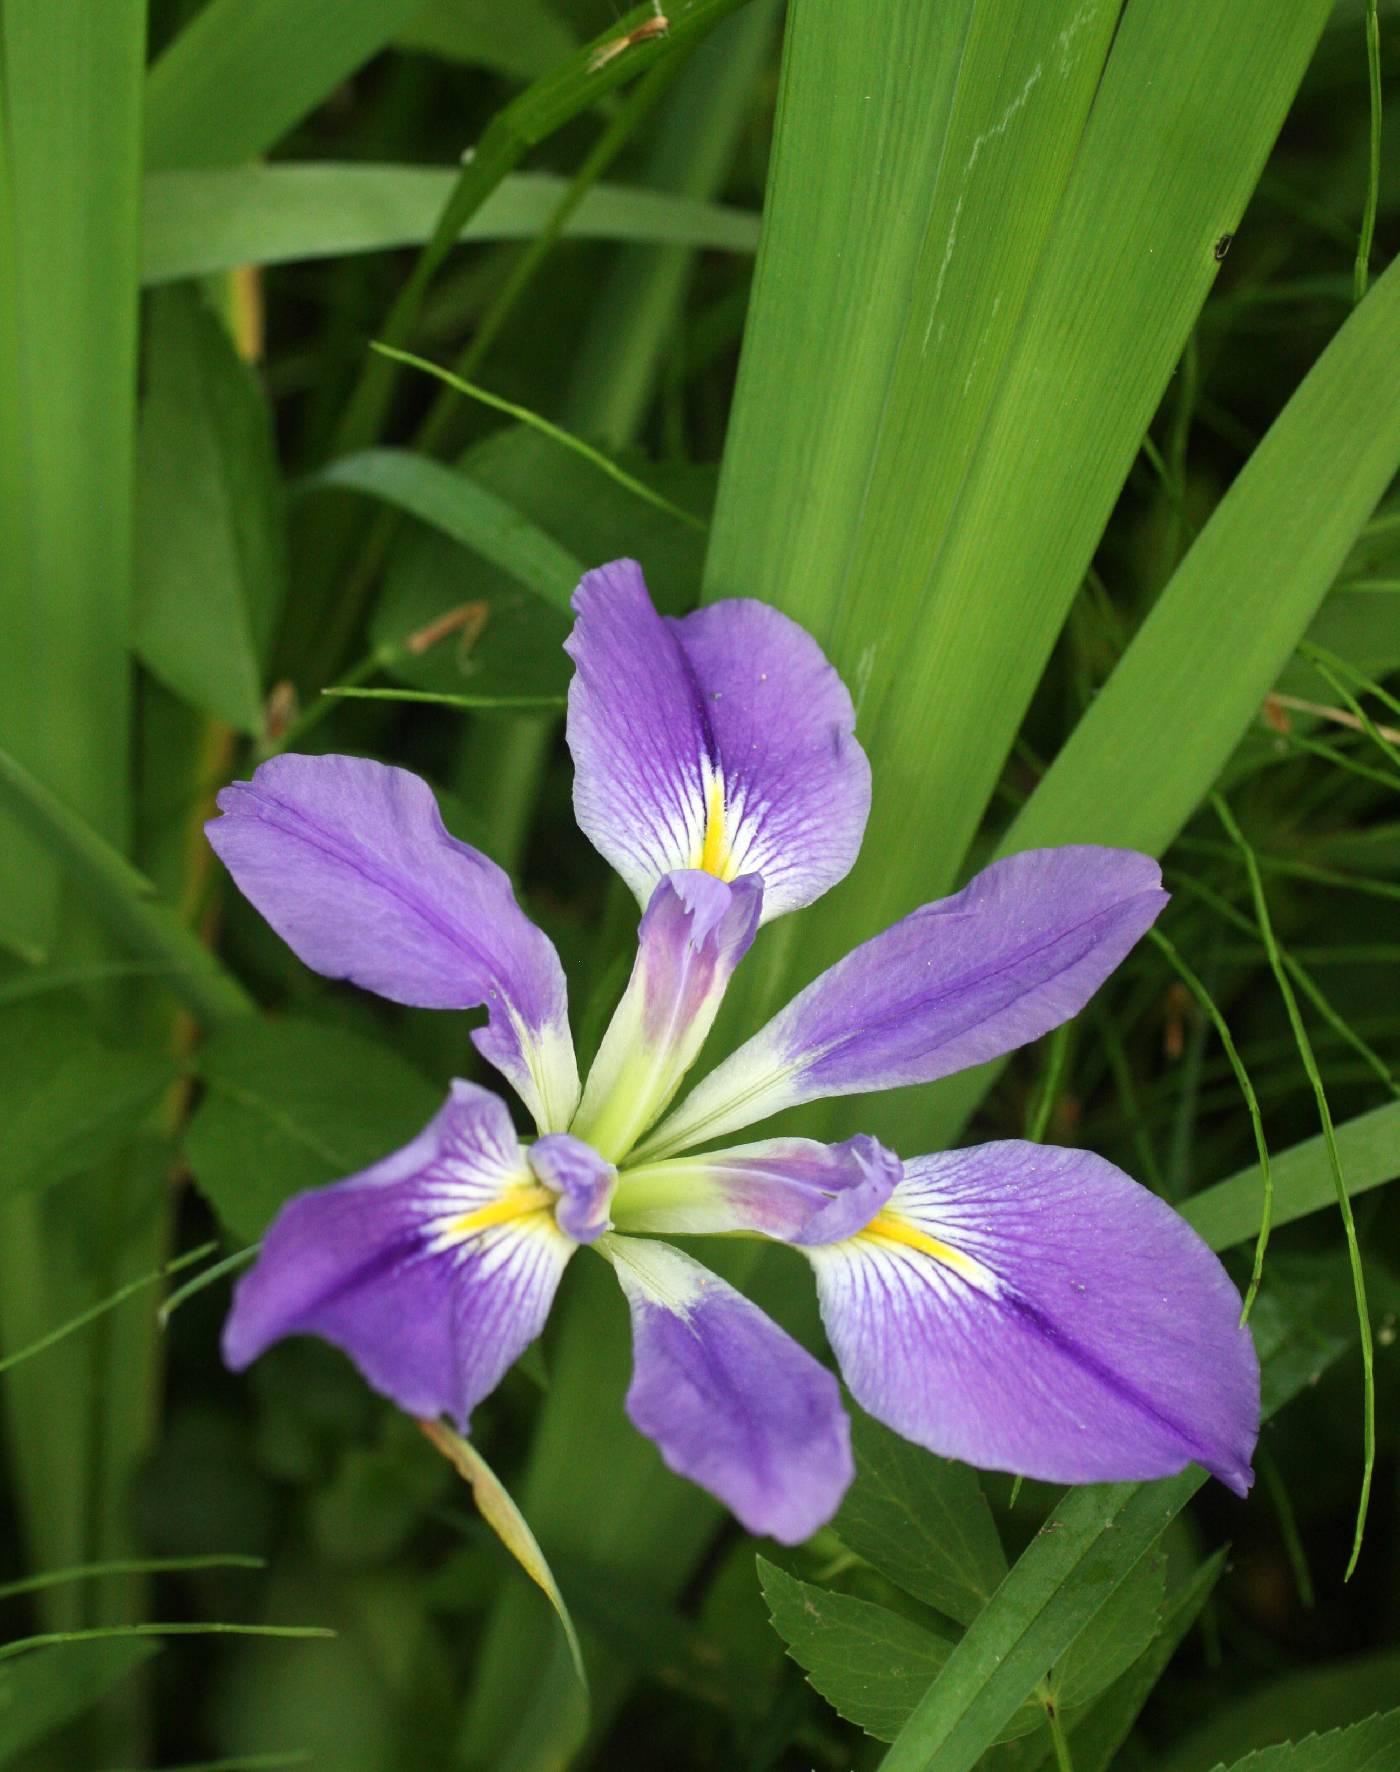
(197, 222)
(42, 1691)
(68, 1097)
(243, 71)
(921, 1520)
(208, 513)
(291, 1104)
(522, 40)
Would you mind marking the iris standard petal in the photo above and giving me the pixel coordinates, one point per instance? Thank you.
(732, 1402)
(695, 931)
(1020, 949)
(721, 741)
(350, 863)
(433, 1269)
(1032, 1309)
(793, 1189)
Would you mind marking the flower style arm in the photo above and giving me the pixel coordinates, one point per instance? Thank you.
(350, 863)
(722, 741)
(694, 933)
(1019, 950)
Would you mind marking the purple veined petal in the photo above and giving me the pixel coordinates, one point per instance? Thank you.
(721, 741)
(433, 1269)
(350, 863)
(581, 1179)
(1019, 950)
(733, 1402)
(792, 1189)
(1031, 1309)
(692, 935)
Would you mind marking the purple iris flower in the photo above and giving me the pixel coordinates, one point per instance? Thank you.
(1018, 1306)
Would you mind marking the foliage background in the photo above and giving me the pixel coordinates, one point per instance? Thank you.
(1046, 396)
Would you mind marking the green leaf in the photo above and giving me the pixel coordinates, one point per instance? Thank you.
(921, 1520)
(1369, 1149)
(198, 222)
(48, 1689)
(208, 513)
(1308, 1699)
(462, 508)
(121, 898)
(523, 40)
(1115, 1637)
(68, 1098)
(515, 646)
(292, 1104)
(1097, 1732)
(243, 71)
(1372, 1746)
(868, 1663)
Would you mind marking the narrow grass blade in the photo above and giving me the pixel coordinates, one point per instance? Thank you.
(199, 222)
(508, 1523)
(462, 508)
(107, 1633)
(503, 703)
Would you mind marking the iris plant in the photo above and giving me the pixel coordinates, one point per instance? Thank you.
(1015, 1305)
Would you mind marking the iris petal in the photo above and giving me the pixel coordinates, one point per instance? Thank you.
(732, 1402)
(350, 863)
(722, 741)
(1019, 950)
(1032, 1309)
(433, 1269)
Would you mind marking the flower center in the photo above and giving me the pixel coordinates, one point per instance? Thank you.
(518, 1201)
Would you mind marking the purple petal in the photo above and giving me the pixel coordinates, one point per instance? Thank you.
(733, 1403)
(721, 741)
(431, 1310)
(1032, 1309)
(694, 933)
(793, 1189)
(583, 1181)
(351, 864)
(1019, 950)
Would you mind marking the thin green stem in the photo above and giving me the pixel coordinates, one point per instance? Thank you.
(33, 1584)
(523, 415)
(111, 1302)
(1362, 273)
(1198, 990)
(22, 1645)
(1305, 1053)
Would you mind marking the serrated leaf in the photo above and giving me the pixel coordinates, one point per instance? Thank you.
(868, 1663)
(210, 549)
(922, 1521)
(292, 1104)
(68, 1098)
(1372, 1746)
